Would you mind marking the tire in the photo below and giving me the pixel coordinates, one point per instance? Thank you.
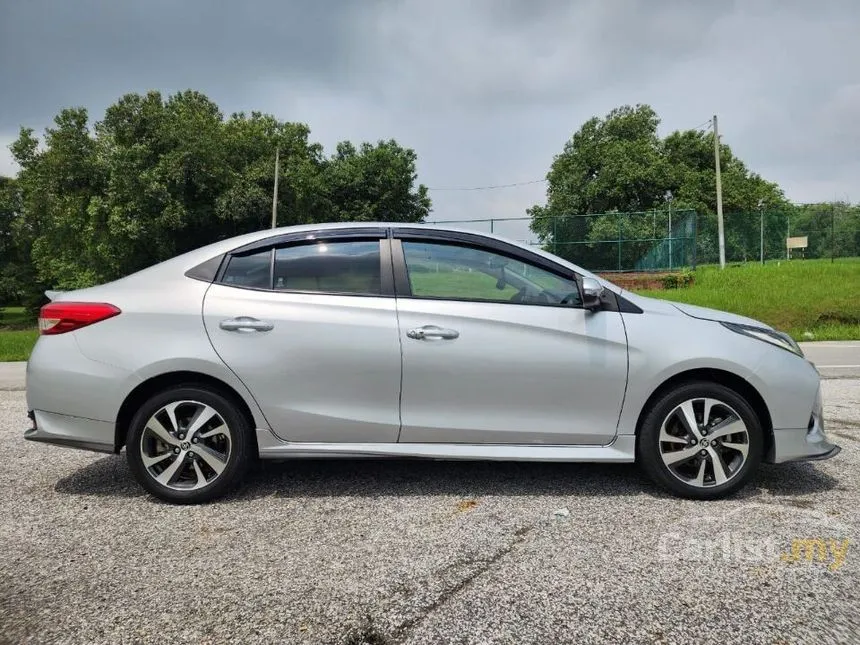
(712, 461)
(164, 442)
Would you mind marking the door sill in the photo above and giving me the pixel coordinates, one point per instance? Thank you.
(622, 450)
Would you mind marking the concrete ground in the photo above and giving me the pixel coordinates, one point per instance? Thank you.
(428, 552)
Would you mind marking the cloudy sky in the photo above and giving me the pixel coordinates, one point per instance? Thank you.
(486, 91)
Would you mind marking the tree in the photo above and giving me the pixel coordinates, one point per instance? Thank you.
(157, 177)
(374, 183)
(619, 164)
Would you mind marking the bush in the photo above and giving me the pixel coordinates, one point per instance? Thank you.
(678, 280)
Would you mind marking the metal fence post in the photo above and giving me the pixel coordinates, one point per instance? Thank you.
(620, 235)
(695, 236)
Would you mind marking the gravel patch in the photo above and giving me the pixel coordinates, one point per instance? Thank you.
(427, 552)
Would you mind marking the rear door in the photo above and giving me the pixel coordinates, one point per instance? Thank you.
(498, 349)
(309, 325)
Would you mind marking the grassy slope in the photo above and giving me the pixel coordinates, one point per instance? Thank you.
(800, 297)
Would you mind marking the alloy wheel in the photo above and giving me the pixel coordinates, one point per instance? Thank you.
(185, 445)
(704, 442)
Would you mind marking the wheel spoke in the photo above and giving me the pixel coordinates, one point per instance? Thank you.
(688, 418)
(221, 429)
(155, 426)
(676, 456)
(718, 466)
(215, 461)
(203, 416)
(665, 436)
(742, 448)
(171, 414)
(157, 459)
(201, 478)
(706, 414)
(700, 478)
(730, 426)
(170, 473)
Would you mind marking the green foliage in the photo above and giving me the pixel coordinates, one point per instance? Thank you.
(620, 164)
(158, 177)
(678, 280)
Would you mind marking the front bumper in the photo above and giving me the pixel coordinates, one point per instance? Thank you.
(802, 444)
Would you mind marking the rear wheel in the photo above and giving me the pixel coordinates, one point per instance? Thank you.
(189, 445)
(701, 440)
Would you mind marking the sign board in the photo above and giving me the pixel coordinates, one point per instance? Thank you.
(796, 242)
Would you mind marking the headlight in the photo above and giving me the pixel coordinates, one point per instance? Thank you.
(778, 338)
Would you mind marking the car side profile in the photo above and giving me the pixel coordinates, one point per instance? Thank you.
(409, 340)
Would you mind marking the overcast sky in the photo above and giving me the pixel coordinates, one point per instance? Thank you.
(486, 91)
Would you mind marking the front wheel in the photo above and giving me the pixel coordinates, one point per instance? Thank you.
(701, 440)
(189, 445)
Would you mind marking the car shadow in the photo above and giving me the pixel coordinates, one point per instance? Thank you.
(111, 476)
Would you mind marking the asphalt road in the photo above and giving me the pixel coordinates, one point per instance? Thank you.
(428, 552)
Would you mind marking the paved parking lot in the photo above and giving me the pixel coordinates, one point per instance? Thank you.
(428, 552)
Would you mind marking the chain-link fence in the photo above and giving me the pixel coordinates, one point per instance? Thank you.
(825, 231)
(644, 241)
(670, 239)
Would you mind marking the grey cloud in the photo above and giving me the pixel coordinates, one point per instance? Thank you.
(486, 91)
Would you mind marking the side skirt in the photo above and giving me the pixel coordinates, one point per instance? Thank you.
(622, 450)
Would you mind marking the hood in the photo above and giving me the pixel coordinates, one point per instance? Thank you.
(702, 313)
(715, 314)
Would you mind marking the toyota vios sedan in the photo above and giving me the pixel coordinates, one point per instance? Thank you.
(410, 341)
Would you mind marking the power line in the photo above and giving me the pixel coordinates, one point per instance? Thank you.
(521, 183)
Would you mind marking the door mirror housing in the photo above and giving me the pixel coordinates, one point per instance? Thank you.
(592, 294)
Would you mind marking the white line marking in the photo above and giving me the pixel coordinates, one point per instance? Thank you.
(835, 366)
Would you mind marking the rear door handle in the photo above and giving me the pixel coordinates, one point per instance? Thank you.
(432, 332)
(245, 324)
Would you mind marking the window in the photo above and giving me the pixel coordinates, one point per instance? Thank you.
(331, 267)
(438, 270)
(252, 271)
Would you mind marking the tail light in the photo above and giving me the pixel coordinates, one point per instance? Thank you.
(60, 317)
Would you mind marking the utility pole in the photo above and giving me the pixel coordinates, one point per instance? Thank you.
(720, 229)
(275, 191)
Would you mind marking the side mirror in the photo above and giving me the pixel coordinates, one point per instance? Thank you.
(592, 293)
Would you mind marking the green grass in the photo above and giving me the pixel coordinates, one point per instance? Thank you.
(17, 334)
(802, 297)
(16, 344)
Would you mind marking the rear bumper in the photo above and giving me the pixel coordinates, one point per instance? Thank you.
(71, 432)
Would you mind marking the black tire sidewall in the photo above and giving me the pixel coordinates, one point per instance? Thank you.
(648, 448)
(241, 449)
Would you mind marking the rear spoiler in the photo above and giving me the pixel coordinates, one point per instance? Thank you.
(51, 295)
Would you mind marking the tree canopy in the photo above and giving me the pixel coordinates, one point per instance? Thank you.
(619, 163)
(157, 177)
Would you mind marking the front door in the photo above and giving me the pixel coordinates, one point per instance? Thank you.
(498, 349)
(311, 330)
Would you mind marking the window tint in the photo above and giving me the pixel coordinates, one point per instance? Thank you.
(331, 267)
(249, 271)
(465, 273)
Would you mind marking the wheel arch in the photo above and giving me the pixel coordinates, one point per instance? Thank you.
(722, 377)
(161, 382)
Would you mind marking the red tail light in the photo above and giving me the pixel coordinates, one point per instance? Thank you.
(60, 317)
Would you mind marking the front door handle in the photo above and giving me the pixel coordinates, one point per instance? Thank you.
(432, 332)
(245, 324)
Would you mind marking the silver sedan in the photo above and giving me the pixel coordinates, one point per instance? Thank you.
(410, 341)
